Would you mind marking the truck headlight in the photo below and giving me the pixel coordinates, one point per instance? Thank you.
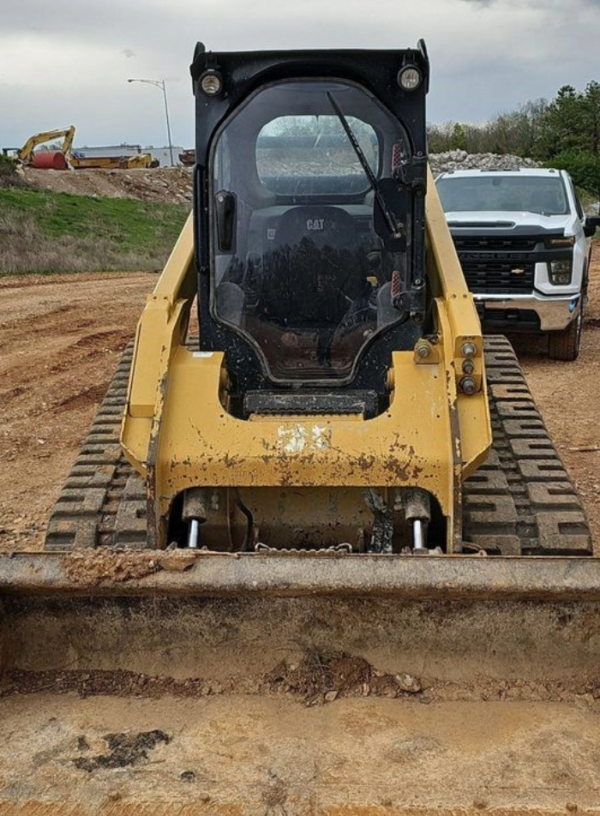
(560, 273)
(561, 241)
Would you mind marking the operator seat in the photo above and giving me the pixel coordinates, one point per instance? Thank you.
(324, 225)
(312, 243)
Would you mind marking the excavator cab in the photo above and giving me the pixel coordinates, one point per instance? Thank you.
(313, 294)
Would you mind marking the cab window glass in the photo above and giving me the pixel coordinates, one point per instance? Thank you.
(298, 266)
(501, 193)
(306, 154)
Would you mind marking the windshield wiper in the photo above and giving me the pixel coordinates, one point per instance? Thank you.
(394, 226)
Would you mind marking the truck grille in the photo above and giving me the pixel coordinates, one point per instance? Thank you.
(498, 264)
(495, 243)
(498, 278)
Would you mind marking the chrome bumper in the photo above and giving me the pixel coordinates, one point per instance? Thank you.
(555, 313)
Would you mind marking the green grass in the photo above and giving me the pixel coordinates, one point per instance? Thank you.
(42, 231)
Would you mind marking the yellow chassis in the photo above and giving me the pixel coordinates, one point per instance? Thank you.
(177, 434)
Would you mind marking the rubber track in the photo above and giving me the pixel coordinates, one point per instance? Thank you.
(103, 502)
(520, 502)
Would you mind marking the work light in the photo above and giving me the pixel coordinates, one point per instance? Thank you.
(409, 78)
(211, 83)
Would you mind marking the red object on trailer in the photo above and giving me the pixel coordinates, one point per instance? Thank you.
(49, 160)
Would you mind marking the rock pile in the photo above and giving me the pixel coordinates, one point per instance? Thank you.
(174, 185)
(461, 160)
(163, 184)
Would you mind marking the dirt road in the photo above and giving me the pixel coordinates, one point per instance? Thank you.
(567, 395)
(60, 339)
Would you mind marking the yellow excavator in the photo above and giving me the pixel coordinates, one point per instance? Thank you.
(26, 153)
(318, 554)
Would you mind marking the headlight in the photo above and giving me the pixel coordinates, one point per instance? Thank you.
(560, 272)
(555, 243)
(409, 78)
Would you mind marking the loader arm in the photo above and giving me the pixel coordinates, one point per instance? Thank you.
(172, 451)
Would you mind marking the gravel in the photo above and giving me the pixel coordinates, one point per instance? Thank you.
(461, 160)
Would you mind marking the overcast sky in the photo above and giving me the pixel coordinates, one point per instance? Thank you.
(65, 62)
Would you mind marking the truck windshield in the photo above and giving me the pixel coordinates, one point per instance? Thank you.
(301, 271)
(503, 193)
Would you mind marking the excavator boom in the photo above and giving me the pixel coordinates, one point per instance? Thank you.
(25, 154)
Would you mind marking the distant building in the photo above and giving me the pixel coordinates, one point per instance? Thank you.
(163, 155)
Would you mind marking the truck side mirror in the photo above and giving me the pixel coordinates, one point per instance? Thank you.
(590, 225)
(226, 209)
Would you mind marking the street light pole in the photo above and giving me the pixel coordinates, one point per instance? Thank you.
(161, 83)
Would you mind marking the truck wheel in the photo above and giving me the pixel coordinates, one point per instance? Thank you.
(565, 345)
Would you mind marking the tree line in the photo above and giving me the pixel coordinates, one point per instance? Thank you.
(562, 133)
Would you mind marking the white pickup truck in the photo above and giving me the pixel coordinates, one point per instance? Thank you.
(523, 241)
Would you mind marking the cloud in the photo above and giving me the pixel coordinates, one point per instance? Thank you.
(486, 55)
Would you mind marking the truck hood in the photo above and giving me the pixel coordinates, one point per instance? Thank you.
(507, 220)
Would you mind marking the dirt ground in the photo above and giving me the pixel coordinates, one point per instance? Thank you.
(60, 339)
(254, 755)
(567, 395)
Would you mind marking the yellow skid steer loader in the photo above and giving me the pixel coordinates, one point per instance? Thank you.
(317, 554)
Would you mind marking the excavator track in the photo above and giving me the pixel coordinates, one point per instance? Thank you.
(520, 502)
